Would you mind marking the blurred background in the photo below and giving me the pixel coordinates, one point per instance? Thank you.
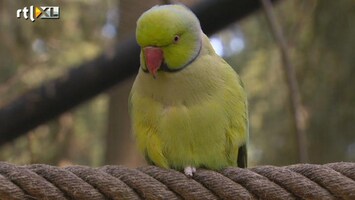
(321, 44)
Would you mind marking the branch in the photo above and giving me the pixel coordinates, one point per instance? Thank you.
(293, 89)
(166, 2)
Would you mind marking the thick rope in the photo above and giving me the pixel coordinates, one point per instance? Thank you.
(301, 181)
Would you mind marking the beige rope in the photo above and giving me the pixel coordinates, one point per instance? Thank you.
(301, 181)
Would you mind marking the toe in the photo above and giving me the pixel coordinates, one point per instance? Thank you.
(189, 171)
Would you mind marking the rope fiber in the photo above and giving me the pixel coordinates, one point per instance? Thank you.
(300, 181)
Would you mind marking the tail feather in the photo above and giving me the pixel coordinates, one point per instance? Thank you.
(242, 157)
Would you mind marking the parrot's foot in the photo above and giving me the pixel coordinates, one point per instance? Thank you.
(189, 171)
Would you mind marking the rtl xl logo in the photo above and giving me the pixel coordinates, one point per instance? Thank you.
(42, 12)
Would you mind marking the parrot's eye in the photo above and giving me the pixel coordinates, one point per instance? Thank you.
(176, 38)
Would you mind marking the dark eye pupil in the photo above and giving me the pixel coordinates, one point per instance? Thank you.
(176, 38)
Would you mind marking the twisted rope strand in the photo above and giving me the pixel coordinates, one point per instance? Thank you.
(347, 169)
(336, 183)
(33, 185)
(108, 185)
(260, 186)
(70, 184)
(186, 187)
(294, 183)
(9, 190)
(146, 186)
(301, 181)
(224, 187)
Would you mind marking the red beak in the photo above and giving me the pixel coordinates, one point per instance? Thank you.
(153, 58)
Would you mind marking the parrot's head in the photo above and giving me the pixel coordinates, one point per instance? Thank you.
(169, 37)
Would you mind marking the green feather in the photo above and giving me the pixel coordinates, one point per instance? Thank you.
(196, 116)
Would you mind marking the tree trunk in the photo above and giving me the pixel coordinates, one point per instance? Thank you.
(120, 148)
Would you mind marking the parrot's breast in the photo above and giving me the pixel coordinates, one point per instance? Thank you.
(194, 117)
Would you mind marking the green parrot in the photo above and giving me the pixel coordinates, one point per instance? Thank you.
(187, 105)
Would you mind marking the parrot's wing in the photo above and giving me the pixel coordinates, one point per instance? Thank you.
(242, 160)
(147, 159)
(242, 156)
(130, 105)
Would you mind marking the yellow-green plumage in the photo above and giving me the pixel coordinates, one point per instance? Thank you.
(196, 116)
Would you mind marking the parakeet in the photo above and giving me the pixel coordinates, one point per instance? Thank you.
(188, 106)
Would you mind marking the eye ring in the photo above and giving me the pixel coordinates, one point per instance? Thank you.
(176, 39)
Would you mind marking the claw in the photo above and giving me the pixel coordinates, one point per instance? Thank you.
(189, 171)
